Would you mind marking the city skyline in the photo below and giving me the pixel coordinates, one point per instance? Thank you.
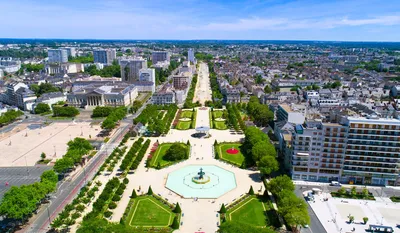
(200, 20)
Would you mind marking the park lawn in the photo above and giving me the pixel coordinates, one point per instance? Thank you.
(220, 125)
(159, 154)
(251, 211)
(147, 211)
(237, 159)
(184, 125)
(217, 114)
(186, 114)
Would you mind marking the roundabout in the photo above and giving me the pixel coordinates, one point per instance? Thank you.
(213, 183)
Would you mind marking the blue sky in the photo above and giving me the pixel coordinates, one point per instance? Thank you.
(346, 20)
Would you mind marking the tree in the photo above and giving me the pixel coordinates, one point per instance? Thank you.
(297, 217)
(351, 218)
(63, 164)
(251, 191)
(150, 191)
(267, 165)
(42, 108)
(365, 192)
(216, 155)
(175, 152)
(134, 195)
(353, 191)
(57, 223)
(365, 220)
(267, 89)
(223, 209)
(279, 183)
(262, 149)
(175, 223)
(64, 111)
(177, 209)
(239, 227)
(43, 156)
(136, 105)
(49, 176)
(341, 191)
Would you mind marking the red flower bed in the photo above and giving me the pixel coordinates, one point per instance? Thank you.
(232, 151)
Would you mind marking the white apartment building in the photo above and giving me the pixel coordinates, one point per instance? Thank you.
(104, 56)
(147, 74)
(57, 55)
(71, 51)
(191, 57)
(358, 150)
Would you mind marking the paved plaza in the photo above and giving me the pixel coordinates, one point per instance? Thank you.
(203, 90)
(24, 148)
(333, 213)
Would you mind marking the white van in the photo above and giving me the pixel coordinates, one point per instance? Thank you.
(335, 183)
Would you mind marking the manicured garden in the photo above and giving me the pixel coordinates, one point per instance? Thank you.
(167, 154)
(218, 119)
(149, 212)
(223, 149)
(185, 119)
(157, 118)
(250, 211)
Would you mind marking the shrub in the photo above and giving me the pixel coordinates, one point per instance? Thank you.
(175, 152)
(116, 198)
(126, 181)
(175, 223)
(365, 219)
(223, 209)
(80, 208)
(150, 191)
(75, 215)
(107, 214)
(112, 205)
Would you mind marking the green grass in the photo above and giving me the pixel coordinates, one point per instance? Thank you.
(395, 199)
(149, 212)
(211, 121)
(217, 114)
(236, 159)
(220, 125)
(183, 125)
(159, 155)
(186, 114)
(251, 211)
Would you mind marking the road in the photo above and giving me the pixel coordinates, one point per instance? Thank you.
(67, 191)
(203, 90)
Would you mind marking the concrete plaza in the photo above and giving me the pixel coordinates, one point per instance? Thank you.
(24, 148)
(333, 213)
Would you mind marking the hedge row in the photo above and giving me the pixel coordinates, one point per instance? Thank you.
(101, 202)
(126, 162)
(140, 155)
(239, 117)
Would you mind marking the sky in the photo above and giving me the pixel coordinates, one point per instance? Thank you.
(328, 20)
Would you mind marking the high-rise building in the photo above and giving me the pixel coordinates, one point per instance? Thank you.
(148, 75)
(57, 55)
(191, 56)
(71, 51)
(160, 56)
(104, 56)
(358, 150)
(130, 68)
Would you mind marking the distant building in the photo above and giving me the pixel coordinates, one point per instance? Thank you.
(180, 82)
(9, 65)
(18, 94)
(130, 68)
(103, 94)
(191, 56)
(104, 56)
(164, 96)
(65, 68)
(147, 74)
(50, 99)
(145, 86)
(57, 55)
(71, 51)
(160, 56)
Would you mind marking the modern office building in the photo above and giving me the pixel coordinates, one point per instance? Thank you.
(57, 55)
(130, 68)
(191, 56)
(358, 150)
(160, 56)
(104, 56)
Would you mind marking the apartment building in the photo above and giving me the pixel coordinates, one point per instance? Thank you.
(130, 68)
(104, 56)
(181, 82)
(358, 150)
(160, 56)
(57, 55)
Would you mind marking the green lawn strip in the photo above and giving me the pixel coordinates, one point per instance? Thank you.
(193, 124)
(184, 125)
(250, 211)
(220, 125)
(159, 154)
(349, 196)
(211, 121)
(237, 159)
(187, 114)
(395, 199)
(147, 211)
